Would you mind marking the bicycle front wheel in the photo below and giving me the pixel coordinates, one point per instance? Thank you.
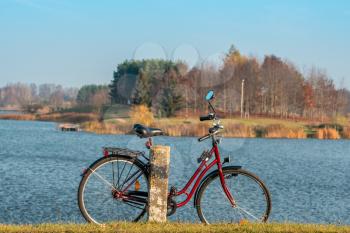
(252, 198)
(114, 189)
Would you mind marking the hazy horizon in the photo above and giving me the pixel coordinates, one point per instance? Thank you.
(80, 42)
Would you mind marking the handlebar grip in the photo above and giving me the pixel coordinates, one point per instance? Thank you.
(203, 138)
(208, 117)
(204, 118)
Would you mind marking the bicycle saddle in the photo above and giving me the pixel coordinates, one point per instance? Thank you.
(146, 132)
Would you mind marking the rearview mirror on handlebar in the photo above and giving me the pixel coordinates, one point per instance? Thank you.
(210, 95)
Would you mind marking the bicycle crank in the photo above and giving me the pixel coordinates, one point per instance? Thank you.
(172, 205)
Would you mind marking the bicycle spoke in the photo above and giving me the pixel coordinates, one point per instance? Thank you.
(240, 214)
(245, 190)
(103, 179)
(222, 192)
(96, 200)
(126, 177)
(238, 207)
(121, 173)
(247, 212)
(104, 201)
(134, 180)
(118, 171)
(113, 172)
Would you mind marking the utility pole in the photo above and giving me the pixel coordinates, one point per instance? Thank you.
(242, 98)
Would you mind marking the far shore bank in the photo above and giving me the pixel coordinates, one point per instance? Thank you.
(54, 117)
(10, 108)
(234, 127)
(175, 227)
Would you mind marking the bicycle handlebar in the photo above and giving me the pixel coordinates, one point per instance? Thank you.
(204, 137)
(208, 117)
(212, 131)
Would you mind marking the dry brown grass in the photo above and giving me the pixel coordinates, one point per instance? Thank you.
(68, 117)
(124, 227)
(239, 131)
(106, 128)
(327, 133)
(346, 132)
(18, 117)
(280, 131)
(57, 117)
(183, 129)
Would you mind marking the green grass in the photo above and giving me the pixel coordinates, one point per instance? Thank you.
(79, 109)
(173, 227)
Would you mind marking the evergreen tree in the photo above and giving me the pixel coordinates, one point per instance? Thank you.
(141, 94)
(172, 100)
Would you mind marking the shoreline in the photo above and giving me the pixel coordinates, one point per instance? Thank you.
(178, 127)
(53, 117)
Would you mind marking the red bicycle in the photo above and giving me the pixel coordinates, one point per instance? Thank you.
(115, 187)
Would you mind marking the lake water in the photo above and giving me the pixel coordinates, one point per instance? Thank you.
(10, 112)
(40, 169)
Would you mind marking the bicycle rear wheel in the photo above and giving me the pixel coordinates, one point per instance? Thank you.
(114, 189)
(253, 202)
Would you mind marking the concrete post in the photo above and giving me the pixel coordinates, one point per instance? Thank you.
(158, 183)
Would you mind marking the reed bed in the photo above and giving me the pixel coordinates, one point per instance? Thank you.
(182, 129)
(68, 117)
(18, 117)
(175, 130)
(106, 128)
(346, 132)
(327, 133)
(239, 131)
(234, 130)
(280, 131)
(57, 117)
(191, 127)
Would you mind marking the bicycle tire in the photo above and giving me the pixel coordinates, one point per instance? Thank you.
(92, 169)
(214, 203)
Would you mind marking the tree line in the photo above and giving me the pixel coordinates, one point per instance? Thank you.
(32, 97)
(272, 87)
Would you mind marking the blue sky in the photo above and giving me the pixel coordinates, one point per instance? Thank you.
(76, 42)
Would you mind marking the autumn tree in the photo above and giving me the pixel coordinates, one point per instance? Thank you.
(93, 95)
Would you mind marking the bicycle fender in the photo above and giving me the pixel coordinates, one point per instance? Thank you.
(212, 175)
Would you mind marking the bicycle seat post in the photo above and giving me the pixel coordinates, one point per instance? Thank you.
(149, 143)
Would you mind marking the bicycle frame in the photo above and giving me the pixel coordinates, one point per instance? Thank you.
(198, 175)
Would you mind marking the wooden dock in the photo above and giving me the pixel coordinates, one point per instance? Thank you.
(69, 127)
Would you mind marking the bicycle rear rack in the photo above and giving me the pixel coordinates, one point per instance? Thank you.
(115, 151)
